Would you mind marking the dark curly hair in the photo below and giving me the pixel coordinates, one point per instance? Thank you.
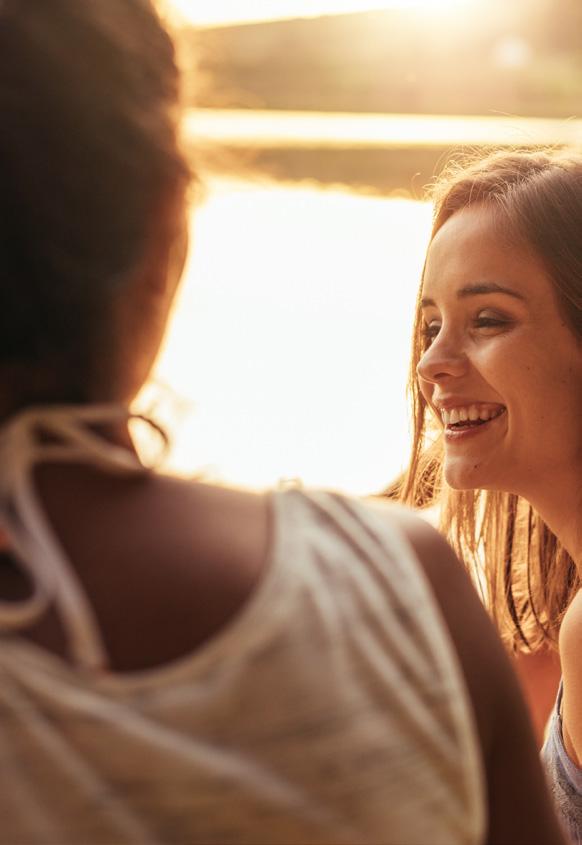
(89, 91)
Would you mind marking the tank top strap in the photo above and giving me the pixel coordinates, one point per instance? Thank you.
(64, 434)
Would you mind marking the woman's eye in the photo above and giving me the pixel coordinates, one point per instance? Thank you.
(430, 331)
(487, 321)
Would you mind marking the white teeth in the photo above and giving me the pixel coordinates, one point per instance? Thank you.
(471, 413)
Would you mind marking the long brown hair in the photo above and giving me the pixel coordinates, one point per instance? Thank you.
(526, 577)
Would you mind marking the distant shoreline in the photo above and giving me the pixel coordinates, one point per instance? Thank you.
(368, 152)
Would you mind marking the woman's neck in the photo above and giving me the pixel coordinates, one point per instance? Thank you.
(560, 507)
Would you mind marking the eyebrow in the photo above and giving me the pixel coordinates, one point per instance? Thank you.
(478, 290)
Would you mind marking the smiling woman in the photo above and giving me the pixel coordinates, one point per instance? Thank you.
(497, 385)
(497, 344)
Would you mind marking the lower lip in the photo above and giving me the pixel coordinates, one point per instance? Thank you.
(454, 435)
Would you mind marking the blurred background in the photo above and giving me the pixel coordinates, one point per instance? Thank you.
(317, 126)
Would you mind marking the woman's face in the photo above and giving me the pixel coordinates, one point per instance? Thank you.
(503, 371)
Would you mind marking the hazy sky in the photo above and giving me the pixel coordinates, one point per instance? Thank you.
(203, 12)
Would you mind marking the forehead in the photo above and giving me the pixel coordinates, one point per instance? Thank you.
(471, 248)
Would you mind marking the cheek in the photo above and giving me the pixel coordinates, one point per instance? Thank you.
(426, 389)
(544, 394)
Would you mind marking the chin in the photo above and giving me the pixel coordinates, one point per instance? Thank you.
(464, 475)
(470, 477)
(459, 484)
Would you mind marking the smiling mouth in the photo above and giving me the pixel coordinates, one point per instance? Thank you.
(462, 420)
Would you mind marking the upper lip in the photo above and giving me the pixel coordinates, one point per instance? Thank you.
(449, 402)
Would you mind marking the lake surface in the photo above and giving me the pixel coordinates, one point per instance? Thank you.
(288, 352)
(246, 128)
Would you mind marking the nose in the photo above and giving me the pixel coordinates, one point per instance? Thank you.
(442, 359)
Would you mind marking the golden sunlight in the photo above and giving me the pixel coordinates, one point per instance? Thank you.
(288, 351)
(229, 12)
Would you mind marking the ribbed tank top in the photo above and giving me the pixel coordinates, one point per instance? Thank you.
(564, 776)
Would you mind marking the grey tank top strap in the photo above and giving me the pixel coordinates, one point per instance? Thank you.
(64, 434)
(564, 776)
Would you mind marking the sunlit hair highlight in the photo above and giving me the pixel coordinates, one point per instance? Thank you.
(526, 577)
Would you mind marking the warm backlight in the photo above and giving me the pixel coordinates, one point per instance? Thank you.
(225, 12)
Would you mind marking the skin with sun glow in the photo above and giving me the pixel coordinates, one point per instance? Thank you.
(495, 342)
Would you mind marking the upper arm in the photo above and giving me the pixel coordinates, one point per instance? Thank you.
(539, 677)
(570, 651)
(519, 805)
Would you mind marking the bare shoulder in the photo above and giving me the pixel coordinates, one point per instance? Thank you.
(570, 653)
(571, 632)
(166, 562)
(154, 516)
(539, 674)
(209, 541)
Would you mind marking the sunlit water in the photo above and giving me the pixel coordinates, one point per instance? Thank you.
(249, 128)
(288, 352)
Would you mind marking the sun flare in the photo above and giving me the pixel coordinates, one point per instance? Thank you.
(226, 12)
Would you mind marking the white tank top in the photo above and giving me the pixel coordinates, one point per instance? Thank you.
(331, 709)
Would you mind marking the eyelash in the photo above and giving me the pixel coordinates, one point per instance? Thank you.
(429, 332)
